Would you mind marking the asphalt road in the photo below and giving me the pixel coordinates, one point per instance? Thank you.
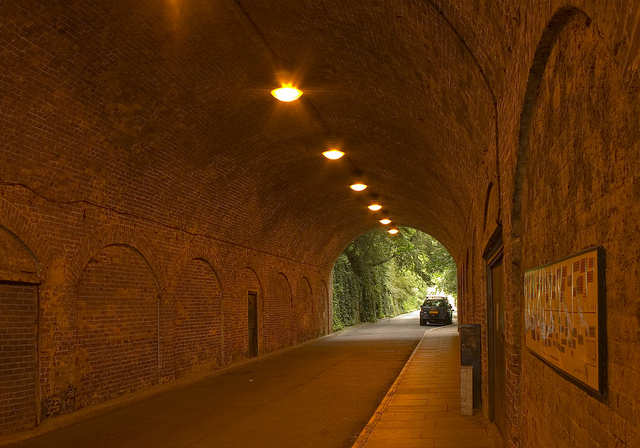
(320, 395)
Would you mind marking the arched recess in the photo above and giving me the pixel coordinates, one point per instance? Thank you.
(576, 194)
(117, 325)
(540, 60)
(19, 333)
(197, 318)
(277, 327)
(18, 263)
(18, 224)
(303, 312)
(115, 234)
(569, 195)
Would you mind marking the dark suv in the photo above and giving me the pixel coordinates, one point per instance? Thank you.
(436, 309)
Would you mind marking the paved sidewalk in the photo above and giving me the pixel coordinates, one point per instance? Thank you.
(422, 409)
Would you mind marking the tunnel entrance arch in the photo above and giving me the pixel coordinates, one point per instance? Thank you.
(382, 275)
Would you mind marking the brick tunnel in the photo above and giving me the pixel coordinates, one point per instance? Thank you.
(152, 190)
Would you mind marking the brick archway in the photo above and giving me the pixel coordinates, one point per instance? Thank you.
(115, 235)
(514, 267)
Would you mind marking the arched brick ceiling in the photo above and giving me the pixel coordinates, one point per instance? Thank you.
(162, 109)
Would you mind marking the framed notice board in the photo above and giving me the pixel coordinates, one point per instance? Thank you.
(565, 317)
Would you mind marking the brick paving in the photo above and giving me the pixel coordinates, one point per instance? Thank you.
(422, 409)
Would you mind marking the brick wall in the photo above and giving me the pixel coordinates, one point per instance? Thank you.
(323, 305)
(278, 330)
(578, 172)
(303, 311)
(17, 357)
(118, 331)
(198, 318)
(577, 161)
(130, 305)
(578, 193)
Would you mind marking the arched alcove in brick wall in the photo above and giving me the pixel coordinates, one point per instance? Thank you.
(17, 263)
(548, 39)
(302, 310)
(578, 132)
(117, 337)
(278, 303)
(18, 317)
(14, 222)
(197, 318)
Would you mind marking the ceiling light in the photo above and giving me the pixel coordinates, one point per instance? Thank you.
(333, 154)
(375, 207)
(385, 221)
(393, 230)
(358, 186)
(286, 93)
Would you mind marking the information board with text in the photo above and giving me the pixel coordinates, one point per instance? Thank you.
(564, 316)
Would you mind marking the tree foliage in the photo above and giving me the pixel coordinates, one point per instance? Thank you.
(380, 275)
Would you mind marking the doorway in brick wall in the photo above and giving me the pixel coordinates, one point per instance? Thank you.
(252, 309)
(496, 324)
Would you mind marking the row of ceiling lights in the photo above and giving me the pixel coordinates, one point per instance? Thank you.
(288, 93)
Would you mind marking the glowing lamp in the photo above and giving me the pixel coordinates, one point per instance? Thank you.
(286, 93)
(375, 207)
(357, 186)
(385, 221)
(333, 154)
(393, 231)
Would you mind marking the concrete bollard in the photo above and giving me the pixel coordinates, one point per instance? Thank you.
(466, 390)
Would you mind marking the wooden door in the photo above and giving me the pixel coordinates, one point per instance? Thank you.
(252, 308)
(498, 361)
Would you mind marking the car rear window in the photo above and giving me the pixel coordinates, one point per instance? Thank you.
(435, 302)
